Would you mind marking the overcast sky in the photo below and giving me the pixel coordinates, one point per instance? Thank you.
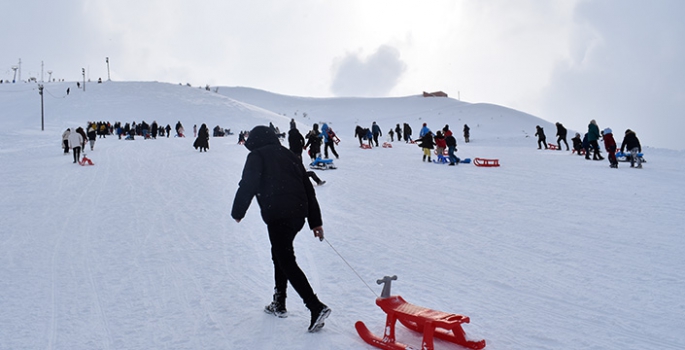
(621, 62)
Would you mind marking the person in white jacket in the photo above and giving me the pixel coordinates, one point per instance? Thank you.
(75, 142)
(65, 140)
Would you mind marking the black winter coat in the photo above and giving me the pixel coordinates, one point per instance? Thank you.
(451, 141)
(630, 141)
(275, 175)
(295, 141)
(202, 140)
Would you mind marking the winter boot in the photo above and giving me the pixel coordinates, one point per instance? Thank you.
(319, 313)
(424, 157)
(277, 306)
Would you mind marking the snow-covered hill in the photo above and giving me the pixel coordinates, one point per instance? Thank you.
(549, 251)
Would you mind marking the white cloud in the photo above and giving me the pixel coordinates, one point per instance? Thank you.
(375, 75)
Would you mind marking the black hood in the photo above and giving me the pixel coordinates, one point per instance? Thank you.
(261, 136)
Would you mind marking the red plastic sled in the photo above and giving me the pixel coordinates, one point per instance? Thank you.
(365, 146)
(552, 146)
(486, 162)
(430, 323)
(85, 161)
(387, 145)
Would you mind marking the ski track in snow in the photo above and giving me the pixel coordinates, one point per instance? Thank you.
(549, 251)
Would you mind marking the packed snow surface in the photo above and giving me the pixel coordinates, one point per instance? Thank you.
(548, 251)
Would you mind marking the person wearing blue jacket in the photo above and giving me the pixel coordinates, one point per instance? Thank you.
(376, 130)
(328, 140)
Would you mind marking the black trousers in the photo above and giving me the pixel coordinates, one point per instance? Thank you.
(281, 234)
(331, 145)
(77, 154)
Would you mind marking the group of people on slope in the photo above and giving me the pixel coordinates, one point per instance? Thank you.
(371, 135)
(443, 139)
(590, 141)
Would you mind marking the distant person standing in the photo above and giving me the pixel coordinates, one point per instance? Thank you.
(286, 197)
(407, 133)
(561, 136)
(467, 133)
(92, 135)
(398, 132)
(168, 130)
(202, 140)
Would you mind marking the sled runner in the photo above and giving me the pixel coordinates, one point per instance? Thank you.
(85, 160)
(430, 323)
(486, 162)
(322, 164)
(387, 145)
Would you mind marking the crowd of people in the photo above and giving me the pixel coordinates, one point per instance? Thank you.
(590, 143)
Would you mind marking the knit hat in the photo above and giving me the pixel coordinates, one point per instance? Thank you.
(607, 131)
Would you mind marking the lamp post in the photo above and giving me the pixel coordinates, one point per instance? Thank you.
(107, 60)
(83, 71)
(42, 116)
(49, 76)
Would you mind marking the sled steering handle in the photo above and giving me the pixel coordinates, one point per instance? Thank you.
(385, 281)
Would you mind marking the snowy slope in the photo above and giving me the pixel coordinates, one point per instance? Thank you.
(549, 251)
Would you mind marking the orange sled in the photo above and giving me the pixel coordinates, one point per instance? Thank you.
(486, 162)
(430, 323)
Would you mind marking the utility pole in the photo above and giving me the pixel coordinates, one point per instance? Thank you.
(42, 116)
(107, 60)
(83, 71)
(41, 71)
(20, 69)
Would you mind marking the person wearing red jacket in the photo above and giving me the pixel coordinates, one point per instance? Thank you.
(610, 146)
(440, 144)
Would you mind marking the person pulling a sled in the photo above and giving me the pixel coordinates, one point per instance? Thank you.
(632, 144)
(275, 175)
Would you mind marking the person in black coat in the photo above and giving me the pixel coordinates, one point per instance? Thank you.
(202, 140)
(561, 133)
(314, 142)
(296, 141)
(577, 144)
(274, 175)
(398, 131)
(296, 145)
(360, 134)
(632, 144)
(542, 139)
(407, 133)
